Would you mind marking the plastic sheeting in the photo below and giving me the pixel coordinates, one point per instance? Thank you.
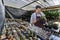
(15, 11)
(2, 15)
(17, 3)
(21, 3)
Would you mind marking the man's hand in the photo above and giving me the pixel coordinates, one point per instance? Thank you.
(34, 21)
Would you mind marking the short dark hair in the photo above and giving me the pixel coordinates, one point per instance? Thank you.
(38, 6)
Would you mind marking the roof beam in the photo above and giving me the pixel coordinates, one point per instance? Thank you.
(28, 4)
(40, 4)
(51, 8)
(9, 13)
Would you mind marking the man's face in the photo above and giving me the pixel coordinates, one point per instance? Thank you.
(38, 10)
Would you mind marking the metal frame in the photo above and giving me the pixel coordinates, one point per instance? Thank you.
(43, 4)
(2, 1)
(47, 2)
(40, 4)
(28, 4)
(9, 13)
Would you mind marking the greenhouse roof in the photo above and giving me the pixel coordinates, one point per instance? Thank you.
(30, 4)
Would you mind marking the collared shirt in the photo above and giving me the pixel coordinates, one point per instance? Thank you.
(33, 16)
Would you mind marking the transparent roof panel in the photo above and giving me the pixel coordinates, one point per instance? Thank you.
(17, 3)
(42, 2)
(31, 6)
(56, 2)
(53, 2)
(27, 5)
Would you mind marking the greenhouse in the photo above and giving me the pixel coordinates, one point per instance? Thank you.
(29, 19)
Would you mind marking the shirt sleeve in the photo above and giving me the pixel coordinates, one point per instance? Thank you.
(33, 17)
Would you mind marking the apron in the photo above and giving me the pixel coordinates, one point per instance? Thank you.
(39, 22)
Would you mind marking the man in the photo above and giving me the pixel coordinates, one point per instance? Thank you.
(38, 17)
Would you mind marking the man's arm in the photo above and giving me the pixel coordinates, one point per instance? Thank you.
(33, 19)
(34, 22)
